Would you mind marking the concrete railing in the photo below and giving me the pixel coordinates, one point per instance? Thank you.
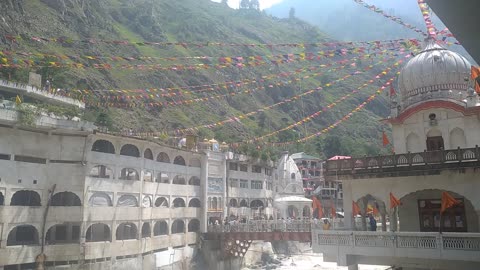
(38, 93)
(450, 246)
(264, 226)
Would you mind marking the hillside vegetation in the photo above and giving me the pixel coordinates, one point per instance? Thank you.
(197, 21)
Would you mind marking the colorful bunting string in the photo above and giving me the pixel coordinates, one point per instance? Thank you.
(431, 29)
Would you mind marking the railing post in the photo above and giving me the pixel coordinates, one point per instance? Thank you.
(459, 155)
(409, 158)
(477, 153)
(425, 157)
(365, 161)
(394, 156)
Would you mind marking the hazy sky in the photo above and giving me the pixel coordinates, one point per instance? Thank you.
(263, 3)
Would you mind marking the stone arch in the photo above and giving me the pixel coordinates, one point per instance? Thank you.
(148, 154)
(179, 180)
(243, 203)
(63, 234)
(98, 232)
(306, 211)
(161, 202)
(434, 132)
(293, 176)
(127, 200)
(194, 181)
(195, 162)
(233, 203)
(194, 225)
(101, 171)
(103, 146)
(373, 206)
(194, 203)
(179, 160)
(146, 230)
(2, 199)
(126, 231)
(163, 157)
(162, 178)
(130, 150)
(148, 175)
(178, 202)
(257, 204)
(160, 228)
(147, 201)
(292, 211)
(178, 226)
(457, 138)
(23, 235)
(100, 199)
(25, 198)
(413, 143)
(435, 140)
(413, 205)
(65, 198)
(129, 174)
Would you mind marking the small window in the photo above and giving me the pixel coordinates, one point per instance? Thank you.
(243, 183)
(233, 166)
(243, 167)
(256, 169)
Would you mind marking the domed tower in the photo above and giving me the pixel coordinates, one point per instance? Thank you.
(435, 102)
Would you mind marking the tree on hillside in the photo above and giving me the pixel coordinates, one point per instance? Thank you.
(225, 2)
(291, 14)
(244, 4)
(254, 4)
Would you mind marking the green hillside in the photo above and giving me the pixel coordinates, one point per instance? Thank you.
(196, 21)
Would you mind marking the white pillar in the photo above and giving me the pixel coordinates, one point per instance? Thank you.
(347, 206)
(204, 187)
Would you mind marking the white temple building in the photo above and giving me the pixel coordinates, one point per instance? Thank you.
(435, 121)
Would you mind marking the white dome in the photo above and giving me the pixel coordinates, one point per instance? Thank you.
(435, 73)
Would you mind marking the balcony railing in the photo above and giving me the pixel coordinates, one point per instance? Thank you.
(264, 226)
(405, 160)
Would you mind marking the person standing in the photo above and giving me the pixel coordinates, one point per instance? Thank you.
(373, 223)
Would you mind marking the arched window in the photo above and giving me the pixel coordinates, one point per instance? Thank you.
(243, 203)
(179, 180)
(100, 199)
(2, 199)
(63, 234)
(194, 225)
(163, 157)
(195, 162)
(413, 143)
(256, 204)
(130, 150)
(293, 176)
(23, 235)
(178, 226)
(103, 146)
(126, 231)
(457, 138)
(25, 198)
(127, 200)
(233, 203)
(147, 201)
(160, 228)
(179, 160)
(98, 232)
(194, 203)
(148, 154)
(214, 203)
(146, 231)
(178, 202)
(194, 181)
(161, 202)
(101, 171)
(148, 176)
(65, 199)
(129, 174)
(162, 178)
(434, 140)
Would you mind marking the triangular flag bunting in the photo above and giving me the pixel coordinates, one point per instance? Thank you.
(394, 202)
(355, 209)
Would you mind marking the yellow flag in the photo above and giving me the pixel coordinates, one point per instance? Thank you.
(18, 101)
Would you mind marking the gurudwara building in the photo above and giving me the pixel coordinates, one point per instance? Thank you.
(436, 132)
(71, 197)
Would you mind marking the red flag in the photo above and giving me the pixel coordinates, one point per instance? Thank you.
(333, 210)
(476, 78)
(392, 91)
(316, 204)
(355, 208)
(385, 139)
(375, 210)
(394, 202)
(447, 201)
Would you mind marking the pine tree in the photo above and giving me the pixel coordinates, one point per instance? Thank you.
(244, 4)
(225, 2)
(254, 4)
(291, 14)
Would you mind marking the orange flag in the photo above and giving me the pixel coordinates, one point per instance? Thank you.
(394, 202)
(375, 211)
(447, 201)
(332, 209)
(476, 78)
(355, 208)
(316, 204)
(386, 141)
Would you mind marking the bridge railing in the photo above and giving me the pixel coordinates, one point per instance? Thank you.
(265, 226)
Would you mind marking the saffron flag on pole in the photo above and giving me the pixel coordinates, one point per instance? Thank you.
(476, 78)
(18, 100)
(447, 201)
(355, 208)
(385, 139)
(394, 202)
(333, 210)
